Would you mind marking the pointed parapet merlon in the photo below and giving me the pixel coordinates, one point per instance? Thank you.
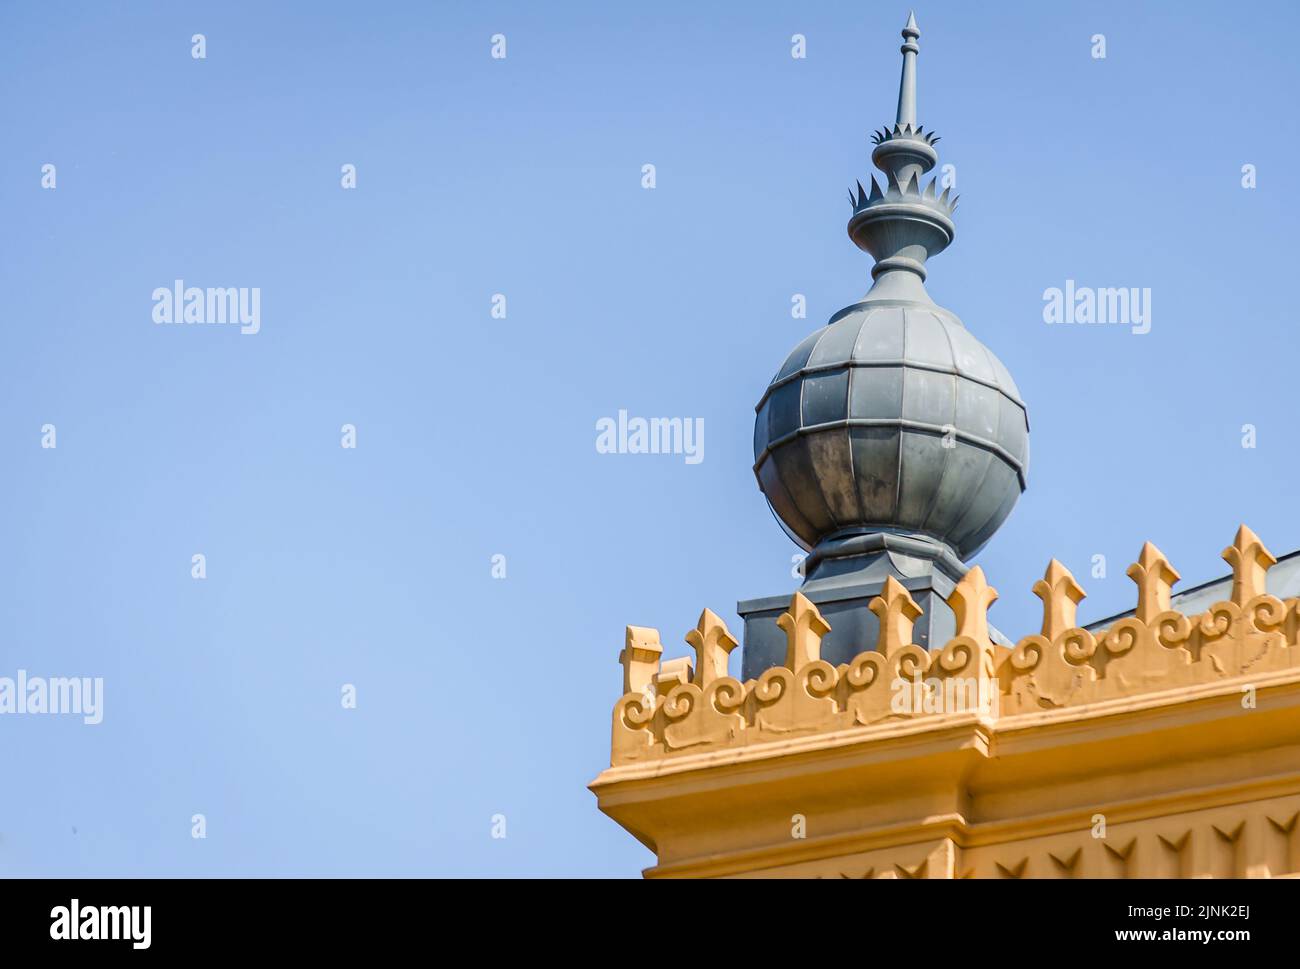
(1061, 596)
(1250, 562)
(804, 628)
(970, 601)
(1155, 579)
(713, 643)
(897, 612)
(640, 658)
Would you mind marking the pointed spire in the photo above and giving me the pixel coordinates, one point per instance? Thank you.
(914, 227)
(907, 86)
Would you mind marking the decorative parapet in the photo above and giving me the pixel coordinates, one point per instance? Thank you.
(675, 707)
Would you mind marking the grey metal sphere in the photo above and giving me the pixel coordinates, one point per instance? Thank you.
(892, 417)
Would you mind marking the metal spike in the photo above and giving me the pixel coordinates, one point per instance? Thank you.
(893, 190)
(934, 141)
(862, 194)
(929, 189)
(944, 197)
(875, 190)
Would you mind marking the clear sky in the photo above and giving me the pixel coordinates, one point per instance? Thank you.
(480, 696)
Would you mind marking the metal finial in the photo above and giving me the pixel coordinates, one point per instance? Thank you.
(911, 223)
(907, 87)
(903, 504)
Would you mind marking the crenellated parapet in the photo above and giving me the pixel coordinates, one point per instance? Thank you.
(680, 706)
(701, 706)
(1156, 649)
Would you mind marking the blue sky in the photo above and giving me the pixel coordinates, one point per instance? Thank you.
(476, 436)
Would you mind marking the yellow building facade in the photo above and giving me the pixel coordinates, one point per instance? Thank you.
(1164, 745)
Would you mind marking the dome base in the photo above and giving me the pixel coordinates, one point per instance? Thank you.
(871, 552)
(842, 583)
(854, 627)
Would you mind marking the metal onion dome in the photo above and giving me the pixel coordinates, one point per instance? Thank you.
(893, 429)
